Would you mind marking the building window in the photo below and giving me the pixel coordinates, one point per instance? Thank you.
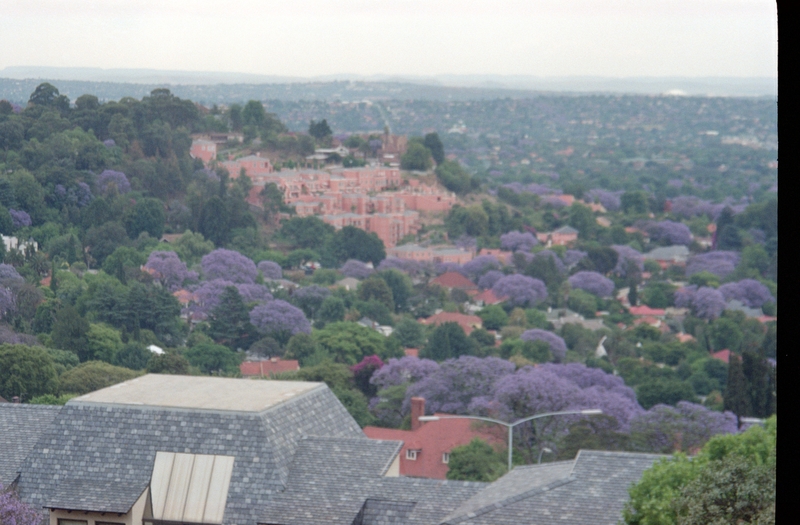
(446, 457)
(411, 455)
(108, 523)
(72, 522)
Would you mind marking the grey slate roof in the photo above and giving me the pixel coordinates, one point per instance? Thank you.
(95, 496)
(338, 481)
(116, 445)
(593, 492)
(20, 429)
(677, 252)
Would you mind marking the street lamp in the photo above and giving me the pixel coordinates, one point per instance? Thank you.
(510, 426)
(545, 449)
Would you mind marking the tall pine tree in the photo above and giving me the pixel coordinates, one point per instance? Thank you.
(230, 321)
(736, 398)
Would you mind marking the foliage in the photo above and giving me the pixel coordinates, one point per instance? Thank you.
(51, 399)
(557, 345)
(476, 461)
(362, 373)
(212, 358)
(749, 291)
(270, 270)
(280, 320)
(168, 269)
(520, 290)
(417, 157)
(230, 321)
(352, 243)
(453, 177)
(14, 512)
(684, 427)
(356, 269)
(448, 340)
(593, 283)
(168, 363)
(720, 263)
(93, 375)
(670, 232)
(409, 333)
(494, 317)
(229, 265)
(26, 371)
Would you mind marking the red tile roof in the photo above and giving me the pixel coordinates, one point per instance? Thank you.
(412, 352)
(432, 440)
(467, 322)
(646, 310)
(488, 297)
(268, 367)
(723, 355)
(454, 280)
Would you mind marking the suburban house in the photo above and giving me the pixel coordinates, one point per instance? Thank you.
(168, 450)
(467, 322)
(253, 165)
(455, 280)
(667, 256)
(205, 150)
(426, 447)
(560, 237)
(431, 254)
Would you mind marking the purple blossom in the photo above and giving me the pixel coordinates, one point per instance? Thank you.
(627, 255)
(749, 291)
(9, 277)
(209, 293)
(557, 345)
(708, 303)
(110, 178)
(452, 388)
(465, 242)
(14, 512)
(489, 279)
(686, 426)
(520, 290)
(356, 269)
(670, 231)
(8, 302)
(553, 201)
(270, 270)
(228, 264)
(684, 296)
(573, 257)
(83, 194)
(609, 199)
(309, 298)
(408, 266)
(19, 218)
(480, 265)
(169, 270)
(593, 283)
(404, 370)
(586, 377)
(516, 240)
(254, 293)
(720, 263)
(279, 317)
(109, 143)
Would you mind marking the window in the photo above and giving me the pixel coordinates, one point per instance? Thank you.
(446, 457)
(411, 455)
(72, 522)
(107, 523)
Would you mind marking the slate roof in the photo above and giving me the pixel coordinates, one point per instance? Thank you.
(338, 481)
(88, 495)
(20, 429)
(677, 252)
(115, 445)
(592, 491)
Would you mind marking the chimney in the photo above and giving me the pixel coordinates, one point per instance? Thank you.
(417, 410)
(16, 399)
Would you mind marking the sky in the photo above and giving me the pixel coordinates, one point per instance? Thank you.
(544, 38)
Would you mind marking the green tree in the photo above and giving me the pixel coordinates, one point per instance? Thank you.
(230, 321)
(349, 343)
(494, 317)
(168, 363)
(26, 371)
(319, 130)
(212, 358)
(102, 344)
(448, 340)
(409, 333)
(417, 157)
(664, 391)
(147, 215)
(94, 375)
(70, 330)
(453, 177)
(376, 289)
(306, 232)
(352, 243)
(476, 461)
(401, 287)
(133, 355)
(435, 146)
(634, 202)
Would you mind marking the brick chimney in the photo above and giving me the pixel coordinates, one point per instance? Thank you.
(417, 410)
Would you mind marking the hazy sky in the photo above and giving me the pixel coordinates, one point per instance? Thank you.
(415, 37)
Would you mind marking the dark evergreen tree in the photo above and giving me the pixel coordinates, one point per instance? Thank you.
(760, 384)
(230, 321)
(736, 398)
(434, 144)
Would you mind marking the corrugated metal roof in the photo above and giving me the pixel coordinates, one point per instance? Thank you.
(190, 488)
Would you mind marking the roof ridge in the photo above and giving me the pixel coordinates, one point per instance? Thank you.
(512, 499)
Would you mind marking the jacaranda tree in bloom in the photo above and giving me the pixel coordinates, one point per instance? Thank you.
(708, 303)
(116, 179)
(720, 263)
(609, 199)
(356, 269)
(516, 240)
(489, 279)
(573, 257)
(270, 270)
(19, 218)
(480, 265)
(15, 512)
(230, 265)
(749, 291)
(684, 296)
(685, 427)
(521, 290)
(627, 255)
(169, 270)
(279, 320)
(557, 345)
(670, 231)
(593, 283)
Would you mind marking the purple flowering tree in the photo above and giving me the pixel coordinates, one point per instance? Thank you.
(109, 179)
(708, 303)
(19, 218)
(611, 200)
(684, 297)
(670, 231)
(553, 201)
(270, 270)
(9, 277)
(721, 263)
(407, 266)
(627, 255)
(686, 427)
(557, 345)
(402, 371)
(520, 290)
(593, 283)
(109, 143)
(749, 291)
(15, 512)
(489, 279)
(573, 257)
(209, 293)
(559, 264)
(480, 265)
(230, 265)
(356, 269)
(169, 270)
(465, 242)
(254, 293)
(518, 241)
(280, 320)
(8, 302)
(452, 388)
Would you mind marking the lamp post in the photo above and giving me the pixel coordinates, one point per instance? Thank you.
(510, 426)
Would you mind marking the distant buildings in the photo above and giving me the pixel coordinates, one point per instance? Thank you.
(432, 254)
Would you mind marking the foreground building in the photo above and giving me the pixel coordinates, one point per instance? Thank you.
(164, 450)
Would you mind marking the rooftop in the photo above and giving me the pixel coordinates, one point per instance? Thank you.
(207, 393)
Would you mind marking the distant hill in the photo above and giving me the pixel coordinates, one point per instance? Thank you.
(16, 84)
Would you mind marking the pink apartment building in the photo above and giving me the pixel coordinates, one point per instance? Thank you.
(436, 254)
(205, 150)
(255, 166)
